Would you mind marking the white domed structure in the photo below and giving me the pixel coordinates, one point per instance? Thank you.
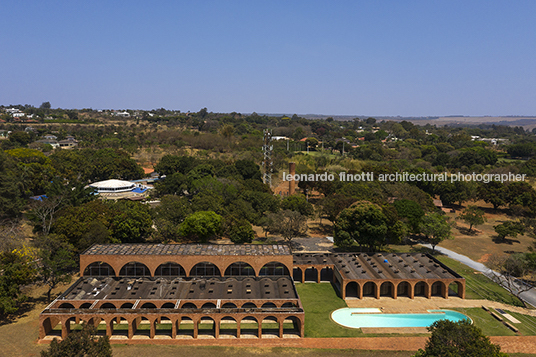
(112, 186)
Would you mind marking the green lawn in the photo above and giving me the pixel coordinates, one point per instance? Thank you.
(319, 301)
(487, 323)
(478, 286)
(527, 325)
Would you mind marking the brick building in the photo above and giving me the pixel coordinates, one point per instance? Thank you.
(177, 291)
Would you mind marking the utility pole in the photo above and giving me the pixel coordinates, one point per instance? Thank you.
(267, 163)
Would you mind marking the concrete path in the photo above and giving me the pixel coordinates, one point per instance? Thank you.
(528, 296)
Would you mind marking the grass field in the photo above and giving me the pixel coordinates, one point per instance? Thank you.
(319, 301)
(478, 286)
(483, 320)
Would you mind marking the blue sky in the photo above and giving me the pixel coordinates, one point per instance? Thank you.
(408, 58)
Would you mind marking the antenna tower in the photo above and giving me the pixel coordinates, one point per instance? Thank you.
(267, 163)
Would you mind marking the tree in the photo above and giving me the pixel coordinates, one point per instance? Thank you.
(227, 131)
(248, 169)
(435, 228)
(43, 212)
(56, 262)
(45, 105)
(462, 338)
(367, 224)
(411, 211)
(287, 223)
(238, 230)
(11, 188)
(332, 205)
(299, 204)
(201, 226)
(508, 270)
(493, 192)
(170, 164)
(509, 228)
(21, 138)
(473, 216)
(17, 269)
(131, 222)
(81, 343)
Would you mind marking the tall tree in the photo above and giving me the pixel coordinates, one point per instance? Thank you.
(287, 223)
(435, 228)
(473, 216)
(509, 228)
(17, 269)
(368, 225)
(83, 343)
(201, 226)
(299, 204)
(56, 262)
(462, 338)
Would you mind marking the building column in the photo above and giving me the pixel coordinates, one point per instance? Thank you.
(395, 290)
(445, 290)
(131, 328)
(65, 328)
(461, 287)
(259, 331)
(318, 273)
(343, 291)
(110, 327)
(281, 327)
(377, 293)
(360, 292)
(237, 329)
(174, 329)
(428, 291)
(152, 330)
(196, 328)
(217, 329)
(411, 291)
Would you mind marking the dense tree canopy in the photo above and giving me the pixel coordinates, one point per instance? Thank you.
(460, 338)
(367, 224)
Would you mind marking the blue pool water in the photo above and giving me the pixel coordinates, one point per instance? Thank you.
(354, 318)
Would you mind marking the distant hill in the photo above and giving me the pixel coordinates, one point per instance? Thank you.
(527, 122)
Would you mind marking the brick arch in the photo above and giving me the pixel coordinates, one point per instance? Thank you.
(365, 288)
(168, 269)
(99, 269)
(426, 288)
(135, 267)
(274, 268)
(459, 284)
(199, 265)
(442, 288)
(297, 274)
(188, 303)
(390, 287)
(242, 269)
(407, 292)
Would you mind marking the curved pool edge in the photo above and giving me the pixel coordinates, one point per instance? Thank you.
(470, 319)
(430, 311)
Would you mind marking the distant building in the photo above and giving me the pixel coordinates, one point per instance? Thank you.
(69, 143)
(124, 114)
(113, 186)
(120, 189)
(53, 143)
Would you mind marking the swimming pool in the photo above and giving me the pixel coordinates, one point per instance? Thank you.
(354, 318)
